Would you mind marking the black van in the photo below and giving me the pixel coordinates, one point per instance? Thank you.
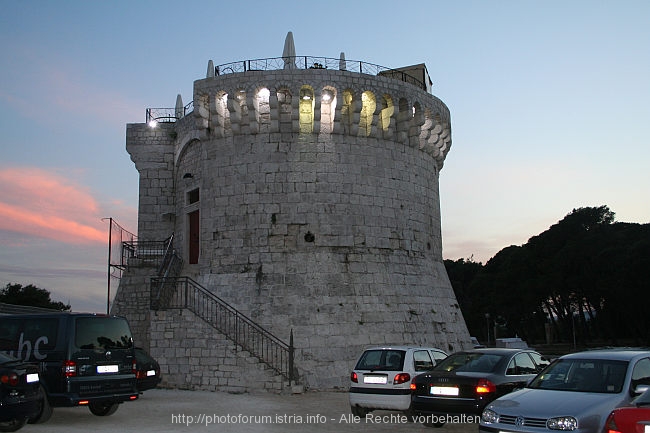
(84, 359)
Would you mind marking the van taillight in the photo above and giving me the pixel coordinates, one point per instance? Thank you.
(10, 379)
(354, 378)
(69, 368)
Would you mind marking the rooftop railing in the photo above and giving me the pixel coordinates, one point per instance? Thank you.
(168, 115)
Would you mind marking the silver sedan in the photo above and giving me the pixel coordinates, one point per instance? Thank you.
(575, 393)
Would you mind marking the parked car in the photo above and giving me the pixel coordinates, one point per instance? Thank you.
(465, 382)
(20, 394)
(630, 419)
(476, 344)
(147, 370)
(575, 393)
(382, 376)
(84, 359)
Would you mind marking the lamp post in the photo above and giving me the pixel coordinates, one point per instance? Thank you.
(487, 327)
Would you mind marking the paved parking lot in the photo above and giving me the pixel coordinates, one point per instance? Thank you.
(161, 411)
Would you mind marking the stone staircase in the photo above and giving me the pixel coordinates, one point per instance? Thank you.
(199, 340)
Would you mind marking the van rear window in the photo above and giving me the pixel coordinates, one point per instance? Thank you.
(103, 333)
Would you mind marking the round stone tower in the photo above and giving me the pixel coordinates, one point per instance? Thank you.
(304, 192)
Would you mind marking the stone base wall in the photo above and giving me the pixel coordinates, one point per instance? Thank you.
(338, 304)
(195, 356)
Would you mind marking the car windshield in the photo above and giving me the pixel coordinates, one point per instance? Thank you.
(467, 361)
(582, 375)
(381, 359)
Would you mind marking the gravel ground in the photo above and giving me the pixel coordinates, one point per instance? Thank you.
(162, 410)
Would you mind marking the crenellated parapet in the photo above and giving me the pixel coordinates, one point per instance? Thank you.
(322, 101)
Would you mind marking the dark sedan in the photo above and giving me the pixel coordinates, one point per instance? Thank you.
(147, 370)
(465, 382)
(20, 394)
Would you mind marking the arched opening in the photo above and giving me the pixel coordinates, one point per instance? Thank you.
(306, 110)
(240, 98)
(346, 111)
(368, 107)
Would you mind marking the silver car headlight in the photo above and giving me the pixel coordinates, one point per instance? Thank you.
(489, 416)
(566, 423)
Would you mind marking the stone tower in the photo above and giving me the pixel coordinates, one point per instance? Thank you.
(304, 192)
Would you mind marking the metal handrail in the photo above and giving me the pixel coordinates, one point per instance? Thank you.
(236, 326)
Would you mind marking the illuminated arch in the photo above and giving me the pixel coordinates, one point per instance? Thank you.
(306, 110)
(327, 109)
(368, 107)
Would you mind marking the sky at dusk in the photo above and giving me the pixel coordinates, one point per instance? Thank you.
(549, 101)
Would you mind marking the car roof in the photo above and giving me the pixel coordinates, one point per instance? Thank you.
(496, 350)
(622, 354)
(403, 348)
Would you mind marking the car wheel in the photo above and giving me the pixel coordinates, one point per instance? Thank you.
(45, 413)
(12, 425)
(103, 409)
(361, 412)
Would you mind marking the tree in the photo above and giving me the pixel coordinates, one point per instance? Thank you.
(586, 276)
(461, 273)
(30, 295)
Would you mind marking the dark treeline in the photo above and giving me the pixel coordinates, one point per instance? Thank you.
(585, 279)
(30, 295)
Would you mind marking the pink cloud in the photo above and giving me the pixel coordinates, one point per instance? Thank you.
(40, 203)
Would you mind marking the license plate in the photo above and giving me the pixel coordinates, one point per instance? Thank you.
(374, 379)
(646, 429)
(444, 390)
(151, 372)
(32, 377)
(107, 369)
